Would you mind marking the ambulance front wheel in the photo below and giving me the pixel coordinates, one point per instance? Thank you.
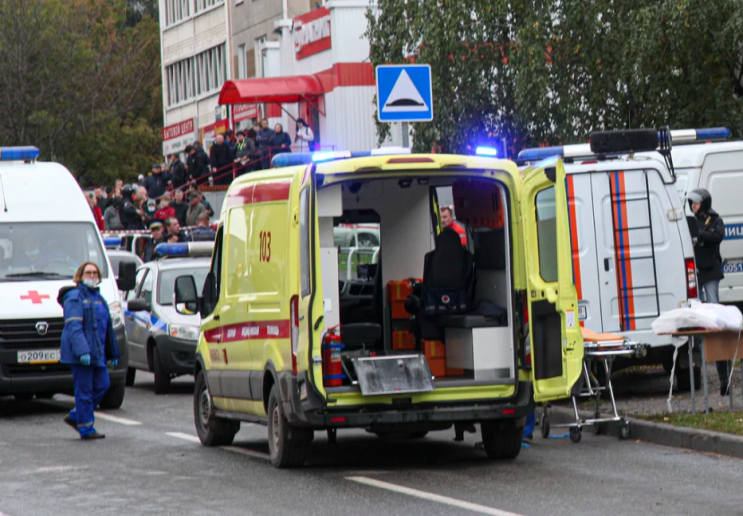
(287, 445)
(212, 431)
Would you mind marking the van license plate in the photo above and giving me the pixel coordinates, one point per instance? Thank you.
(582, 312)
(393, 374)
(39, 356)
(732, 267)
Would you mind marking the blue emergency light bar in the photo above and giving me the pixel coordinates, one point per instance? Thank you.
(584, 149)
(185, 249)
(18, 153)
(330, 155)
(486, 151)
(112, 241)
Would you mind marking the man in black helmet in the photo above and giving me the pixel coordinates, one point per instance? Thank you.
(709, 262)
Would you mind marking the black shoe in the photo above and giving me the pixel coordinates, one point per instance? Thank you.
(94, 435)
(70, 421)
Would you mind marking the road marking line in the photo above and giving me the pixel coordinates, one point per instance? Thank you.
(461, 504)
(114, 419)
(249, 453)
(185, 437)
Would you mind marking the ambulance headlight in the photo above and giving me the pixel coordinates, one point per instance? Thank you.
(179, 331)
(117, 317)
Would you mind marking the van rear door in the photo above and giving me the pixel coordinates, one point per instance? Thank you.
(556, 342)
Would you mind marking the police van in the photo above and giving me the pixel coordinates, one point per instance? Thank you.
(703, 160)
(633, 256)
(280, 346)
(47, 231)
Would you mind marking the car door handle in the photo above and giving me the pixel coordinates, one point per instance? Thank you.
(607, 264)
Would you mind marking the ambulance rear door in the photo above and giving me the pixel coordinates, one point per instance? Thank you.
(556, 342)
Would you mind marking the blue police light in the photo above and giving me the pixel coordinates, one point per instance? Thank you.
(486, 151)
(539, 153)
(18, 153)
(172, 249)
(330, 155)
(713, 133)
(291, 159)
(112, 241)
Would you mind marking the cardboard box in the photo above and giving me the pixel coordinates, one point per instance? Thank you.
(397, 294)
(403, 340)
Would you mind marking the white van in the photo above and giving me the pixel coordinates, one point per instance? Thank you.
(46, 231)
(718, 168)
(633, 257)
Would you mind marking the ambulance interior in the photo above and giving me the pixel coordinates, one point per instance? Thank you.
(397, 283)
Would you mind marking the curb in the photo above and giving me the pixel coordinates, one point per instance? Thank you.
(662, 433)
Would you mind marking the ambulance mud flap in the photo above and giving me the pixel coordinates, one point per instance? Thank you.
(396, 374)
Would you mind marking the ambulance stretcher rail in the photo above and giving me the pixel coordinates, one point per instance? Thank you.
(595, 353)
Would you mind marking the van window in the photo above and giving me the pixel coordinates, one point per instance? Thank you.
(304, 242)
(167, 278)
(547, 234)
(237, 257)
(147, 286)
(54, 248)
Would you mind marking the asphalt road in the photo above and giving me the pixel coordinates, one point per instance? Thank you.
(151, 463)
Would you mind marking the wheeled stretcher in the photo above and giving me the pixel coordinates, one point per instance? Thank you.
(600, 351)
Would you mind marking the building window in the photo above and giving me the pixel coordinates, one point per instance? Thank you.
(203, 5)
(197, 75)
(176, 10)
(241, 65)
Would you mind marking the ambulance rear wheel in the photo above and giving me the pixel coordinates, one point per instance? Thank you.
(131, 374)
(212, 431)
(501, 439)
(287, 445)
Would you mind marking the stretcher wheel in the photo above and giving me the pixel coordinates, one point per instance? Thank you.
(624, 430)
(576, 434)
(544, 423)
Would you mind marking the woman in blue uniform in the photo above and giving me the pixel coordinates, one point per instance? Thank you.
(88, 343)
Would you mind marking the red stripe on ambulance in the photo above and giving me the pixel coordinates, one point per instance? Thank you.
(249, 331)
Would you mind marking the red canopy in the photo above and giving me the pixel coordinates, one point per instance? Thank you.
(270, 89)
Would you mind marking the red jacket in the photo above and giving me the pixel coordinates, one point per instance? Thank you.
(461, 232)
(165, 213)
(98, 218)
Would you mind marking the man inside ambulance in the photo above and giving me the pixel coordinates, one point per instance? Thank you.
(447, 221)
(32, 257)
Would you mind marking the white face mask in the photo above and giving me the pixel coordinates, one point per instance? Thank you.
(90, 282)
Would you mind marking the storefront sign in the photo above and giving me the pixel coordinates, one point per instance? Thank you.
(242, 112)
(311, 33)
(209, 133)
(177, 136)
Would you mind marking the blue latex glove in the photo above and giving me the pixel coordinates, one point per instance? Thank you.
(113, 363)
(85, 359)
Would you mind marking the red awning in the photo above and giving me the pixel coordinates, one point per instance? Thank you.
(270, 89)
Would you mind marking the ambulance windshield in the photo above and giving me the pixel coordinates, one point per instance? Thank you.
(44, 251)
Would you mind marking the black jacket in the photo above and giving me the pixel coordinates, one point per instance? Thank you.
(129, 217)
(707, 246)
(277, 140)
(149, 249)
(180, 211)
(178, 174)
(198, 164)
(221, 158)
(156, 184)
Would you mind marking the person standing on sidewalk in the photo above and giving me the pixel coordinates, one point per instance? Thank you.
(88, 344)
(305, 138)
(708, 259)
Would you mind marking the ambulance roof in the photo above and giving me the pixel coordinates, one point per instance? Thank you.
(685, 156)
(40, 191)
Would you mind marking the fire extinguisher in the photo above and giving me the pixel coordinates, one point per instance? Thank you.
(332, 363)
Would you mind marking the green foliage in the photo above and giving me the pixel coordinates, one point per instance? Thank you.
(552, 71)
(80, 80)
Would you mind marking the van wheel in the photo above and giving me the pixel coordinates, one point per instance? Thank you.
(114, 398)
(501, 439)
(212, 431)
(287, 445)
(131, 374)
(162, 379)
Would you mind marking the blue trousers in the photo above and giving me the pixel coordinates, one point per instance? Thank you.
(531, 421)
(91, 384)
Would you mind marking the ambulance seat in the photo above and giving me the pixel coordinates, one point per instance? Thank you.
(448, 268)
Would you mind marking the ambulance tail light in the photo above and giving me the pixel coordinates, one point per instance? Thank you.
(692, 292)
(295, 331)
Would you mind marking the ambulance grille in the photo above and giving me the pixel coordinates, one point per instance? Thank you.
(22, 334)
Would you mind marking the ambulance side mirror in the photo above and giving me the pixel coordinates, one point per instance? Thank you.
(185, 295)
(127, 276)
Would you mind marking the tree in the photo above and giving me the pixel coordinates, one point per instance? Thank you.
(77, 80)
(552, 71)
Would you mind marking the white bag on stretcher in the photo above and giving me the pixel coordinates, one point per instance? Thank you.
(708, 316)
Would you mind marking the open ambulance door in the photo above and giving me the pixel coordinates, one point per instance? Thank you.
(556, 341)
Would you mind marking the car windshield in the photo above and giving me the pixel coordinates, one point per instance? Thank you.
(42, 251)
(116, 259)
(167, 279)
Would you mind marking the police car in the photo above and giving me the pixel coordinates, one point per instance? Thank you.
(162, 340)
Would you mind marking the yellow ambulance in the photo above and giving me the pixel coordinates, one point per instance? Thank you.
(422, 329)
